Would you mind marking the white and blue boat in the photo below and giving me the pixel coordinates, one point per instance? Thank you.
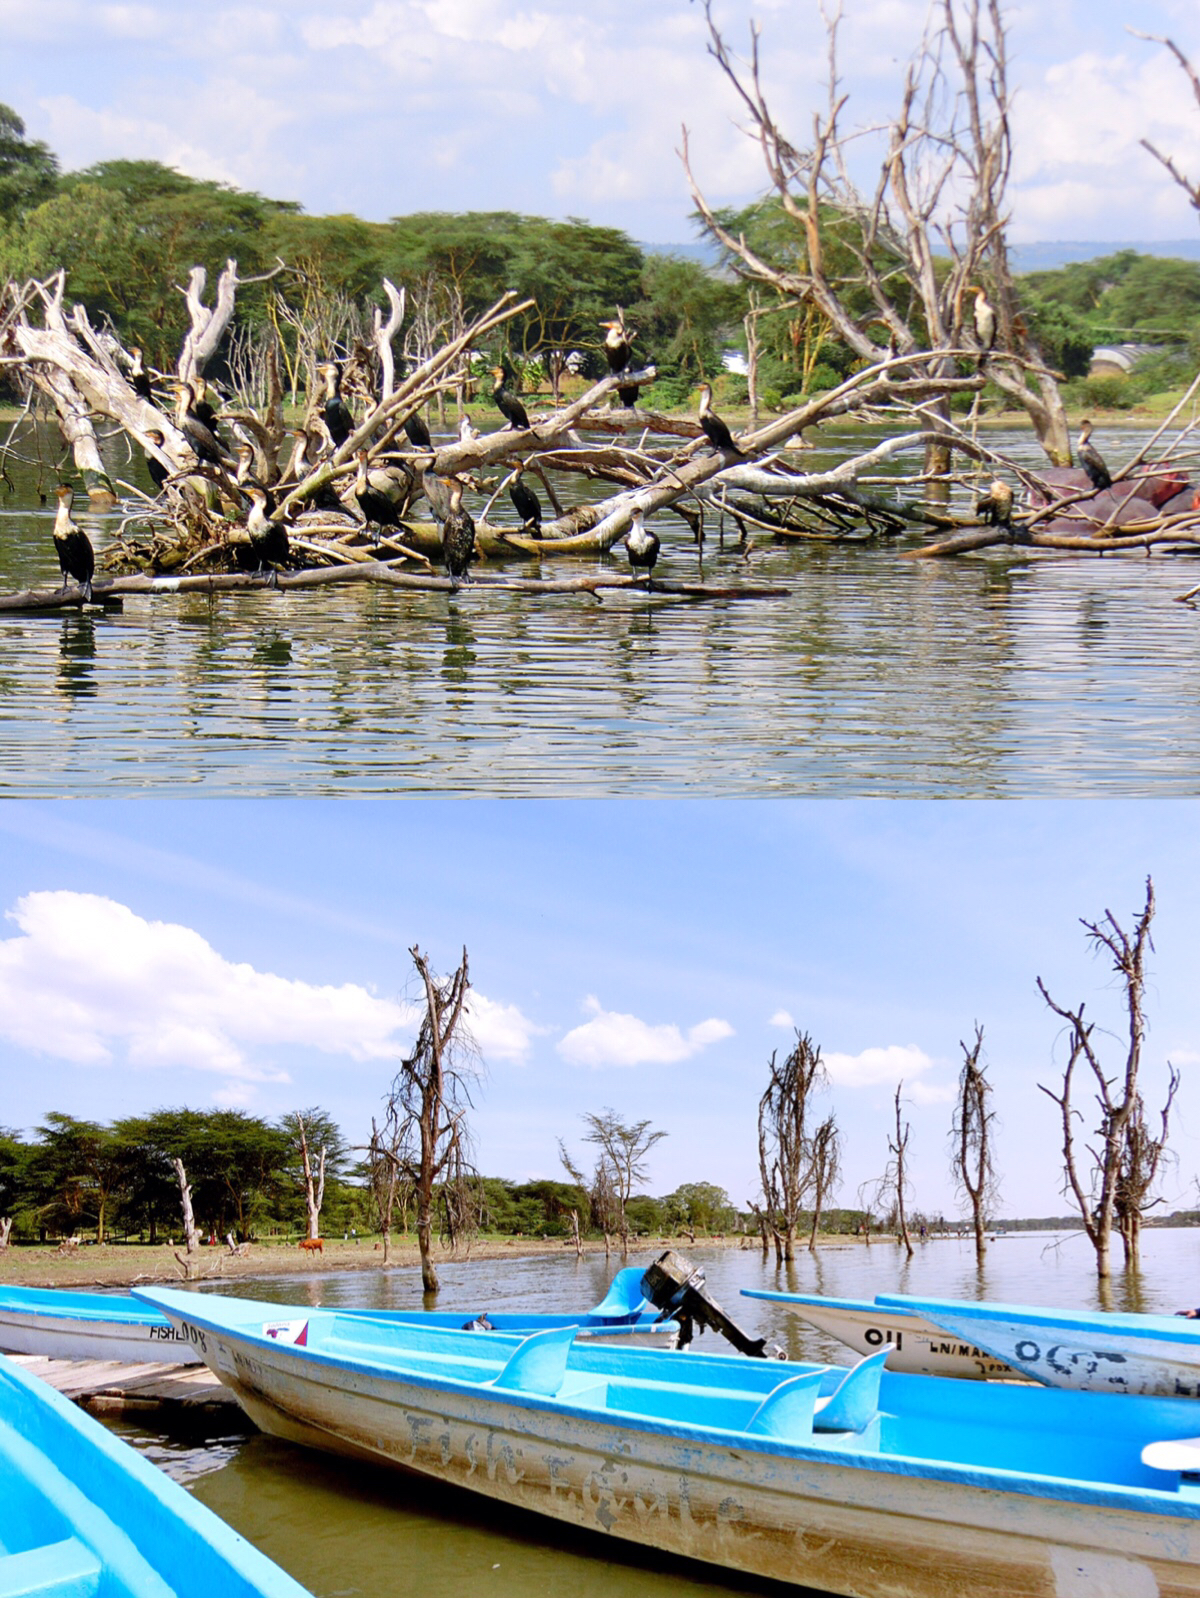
(60, 1325)
(1100, 1351)
(860, 1482)
(83, 1513)
(914, 1343)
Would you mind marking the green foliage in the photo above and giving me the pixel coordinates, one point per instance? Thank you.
(823, 377)
(28, 170)
(685, 315)
(701, 1206)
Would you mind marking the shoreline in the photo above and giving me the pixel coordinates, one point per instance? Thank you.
(124, 1265)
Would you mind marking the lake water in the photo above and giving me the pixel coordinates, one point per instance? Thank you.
(991, 676)
(342, 1528)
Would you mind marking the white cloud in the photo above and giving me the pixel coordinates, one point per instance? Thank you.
(782, 1018)
(612, 1038)
(930, 1093)
(89, 981)
(876, 1066)
(501, 1031)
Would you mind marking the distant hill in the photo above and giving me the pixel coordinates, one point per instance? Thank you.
(1044, 257)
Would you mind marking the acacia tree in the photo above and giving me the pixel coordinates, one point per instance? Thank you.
(785, 1154)
(318, 1143)
(1124, 1161)
(971, 1140)
(623, 1148)
(425, 1118)
(932, 228)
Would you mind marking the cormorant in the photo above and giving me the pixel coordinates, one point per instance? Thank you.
(76, 558)
(466, 429)
(138, 375)
(378, 506)
(642, 547)
(618, 347)
(1091, 460)
(995, 507)
(336, 412)
(458, 534)
(203, 440)
(158, 472)
(526, 503)
(268, 540)
(714, 430)
(985, 322)
(299, 466)
(507, 403)
(418, 432)
(200, 405)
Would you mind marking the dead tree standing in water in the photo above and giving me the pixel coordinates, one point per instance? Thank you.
(892, 1188)
(971, 1140)
(784, 1151)
(825, 1170)
(1125, 1161)
(426, 1115)
(623, 1149)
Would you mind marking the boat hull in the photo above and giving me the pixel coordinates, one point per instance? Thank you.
(917, 1345)
(75, 1338)
(800, 1516)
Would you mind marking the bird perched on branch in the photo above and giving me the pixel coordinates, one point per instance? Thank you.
(985, 322)
(380, 493)
(711, 425)
(995, 507)
(458, 533)
(642, 547)
(507, 403)
(526, 503)
(76, 558)
(269, 544)
(618, 347)
(466, 429)
(138, 376)
(1091, 460)
(418, 433)
(158, 472)
(203, 438)
(337, 414)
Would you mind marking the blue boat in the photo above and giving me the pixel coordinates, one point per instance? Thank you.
(859, 1482)
(61, 1325)
(1100, 1351)
(83, 1513)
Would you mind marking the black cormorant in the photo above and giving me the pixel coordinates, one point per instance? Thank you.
(158, 472)
(1091, 460)
(76, 558)
(268, 540)
(138, 375)
(417, 431)
(526, 503)
(618, 347)
(458, 534)
(642, 547)
(380, 494)
(714, 430)
(338, 418)
(507, 403)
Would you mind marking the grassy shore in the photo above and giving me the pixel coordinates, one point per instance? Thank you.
(120, 1265)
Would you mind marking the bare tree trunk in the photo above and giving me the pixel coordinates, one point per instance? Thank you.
(575, 1236)
(314, 1185)
(6, 1223)
(899, 1152)
(190, 1232)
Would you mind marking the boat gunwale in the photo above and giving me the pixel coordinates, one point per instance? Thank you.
(1127, 1324)
(1157, 1501)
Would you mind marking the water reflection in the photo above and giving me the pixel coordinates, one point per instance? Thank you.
(76, 676)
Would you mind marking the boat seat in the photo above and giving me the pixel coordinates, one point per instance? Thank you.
(787, 1411)
(624, 1297)
(853, 1405)
(539, 1365)
(67, 1567)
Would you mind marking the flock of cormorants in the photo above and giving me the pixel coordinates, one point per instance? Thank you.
(383, 490)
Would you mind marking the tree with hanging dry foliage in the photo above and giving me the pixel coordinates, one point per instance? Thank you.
(971, 1140)
(785, 1152)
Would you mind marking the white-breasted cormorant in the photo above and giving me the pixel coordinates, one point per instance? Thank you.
(466, 429)
(714, 430)
(458, 533)
(985, 322)
(269, 543)
(203, 440)
(138, 375)
(642, 547)
(158, 472)
(507, 403)
(995, 507)
(76, 558)
(1091, 460)
(380, 493)
(618, 347)
(202, 406)
(337, 414)
(526, 503)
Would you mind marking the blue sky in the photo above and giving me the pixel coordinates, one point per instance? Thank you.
(635, 955)
(388, 106)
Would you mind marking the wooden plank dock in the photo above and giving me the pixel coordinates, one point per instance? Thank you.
(107, 1387)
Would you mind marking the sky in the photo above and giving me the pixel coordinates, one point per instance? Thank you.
(640, 956)
(384, 107)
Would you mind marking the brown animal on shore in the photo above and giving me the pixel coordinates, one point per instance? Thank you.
(312, 1243)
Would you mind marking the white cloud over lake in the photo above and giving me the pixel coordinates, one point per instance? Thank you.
(882, 1065)
(614, 1038)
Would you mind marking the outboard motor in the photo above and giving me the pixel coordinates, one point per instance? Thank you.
(676, 1288)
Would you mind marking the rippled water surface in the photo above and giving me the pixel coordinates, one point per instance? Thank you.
(995, 675)
(341, 1528)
